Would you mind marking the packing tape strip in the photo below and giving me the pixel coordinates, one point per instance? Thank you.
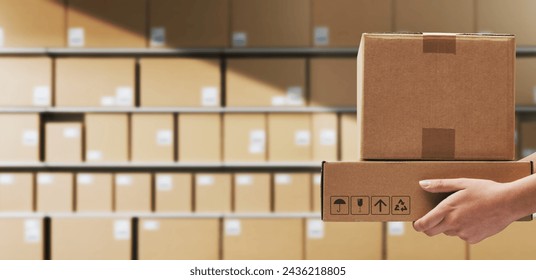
(439, 44)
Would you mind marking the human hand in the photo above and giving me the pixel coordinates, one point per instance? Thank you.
(476, 210)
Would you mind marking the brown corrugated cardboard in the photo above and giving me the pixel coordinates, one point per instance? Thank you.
(107, 24)
(270, 23)
(85, 238)
(133, 192)
(404, 243)
(189, 24)
(516, 242)
(26, 81)
(390, 191)
(292, 192)
(325, 140)
(244, 137)
(63, 142)
(289, 137)
(199, 137)
(20, 137)
(265, 82)
(434, 16)
(152, 137)
(32, 24)
(342, 241)
(180, 82)
(333, 82)
(173, 192)
(95, 82)
(527, 137)
(16, 192)
(273, 239)
(94, 192)
(106, 137)
(349, 137)
(514, 17)
(22, 239)
(525, 81)
(426, 109)
(179, 239)
(316, 192)
(340, 23)
(252, 192)
(213, 192)
(54, 192)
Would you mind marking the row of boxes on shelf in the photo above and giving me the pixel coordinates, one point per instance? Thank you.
(149, 238)
(248, 23)
(185, 137)
(180, 82)
(163, 192)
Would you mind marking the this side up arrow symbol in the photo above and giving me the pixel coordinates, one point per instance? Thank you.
(379, 203)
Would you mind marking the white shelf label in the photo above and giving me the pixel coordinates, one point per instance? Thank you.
(123, 180)
(328, 137)
(315, 229)
(244, 180)
(205, 180)
(240, 39)
(395, 228)
(32, 231)
(151, 225)
(158, 36)
(41, 96)
(7, 179)
(164, 137)
(107, 101)
(209, 96)
(30, 138)
(45, 179)
(295, 95)
(302, 138)
(283, 179)
(1, 37)
(71, 132)
(164, 182)
(257, 141)
(76, 37)
(279, 101)
(84, 179)
(233, 227)
(124, 96)
(321, 36)
(93, 155)
(122, 230)
(317, 179)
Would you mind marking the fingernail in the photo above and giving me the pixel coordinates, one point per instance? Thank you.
(424, 183)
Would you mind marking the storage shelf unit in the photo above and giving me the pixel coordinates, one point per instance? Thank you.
(160, 215)
(80, 110)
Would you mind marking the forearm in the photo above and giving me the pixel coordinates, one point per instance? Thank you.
(522, 198)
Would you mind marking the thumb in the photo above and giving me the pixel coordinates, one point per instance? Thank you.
(442, 185)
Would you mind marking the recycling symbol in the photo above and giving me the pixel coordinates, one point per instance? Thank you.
(401, 206)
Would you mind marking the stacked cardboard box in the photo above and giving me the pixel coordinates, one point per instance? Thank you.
(16, 192)
(22, 239)
(26, 81)
(94, 192)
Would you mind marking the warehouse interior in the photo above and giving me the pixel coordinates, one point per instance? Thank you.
(196, 129)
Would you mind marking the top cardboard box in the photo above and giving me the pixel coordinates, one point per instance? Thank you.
(436, 96)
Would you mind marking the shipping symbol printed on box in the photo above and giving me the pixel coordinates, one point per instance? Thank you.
(363, 205)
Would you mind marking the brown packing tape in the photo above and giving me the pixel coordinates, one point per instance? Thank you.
(439, 44)
(438, 143)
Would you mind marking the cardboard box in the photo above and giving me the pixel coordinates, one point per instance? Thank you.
(32, 24)
(325, 140)
(513, 243)
(273, 239)
(292, 192)
(199, 137)
(22, 239)
(525, 81)
(26, 81)
(106, 137)
(180, 82)
(86, 238)
(404, 243)
(289, 137)
(343, 241)
(426, 109)
(253, 82)
(244, 137)
(349, 137)
(133, 192)
(179, 239)
(152, 137)
(189, 24)
(63, 142)
(95, 82)
(20, 137)
(213, 193)
(317, 192)
(107, 24)
(435, 16)
(16, 192)
(94, 192)
(390, 191)
(527, 137)
(340, 23)
(333, 82)
(252, 192)
(270, 23)
(512, 17)
(54, 192)
(173, 192)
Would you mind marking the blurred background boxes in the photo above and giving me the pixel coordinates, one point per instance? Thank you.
(63, 142)
(173, 192)
(22, 239)
(199, 137)
(244, 137)
(94, 192)
(26, 81)
(325, 140)
(16, 192)
(252, 193)
(527, 137)
(525, 81)
(54, 192)
(133, 192)
(316, 192)
(20, 137)
(292, 192)
(349, 137)
(289, 137)
(333, 82)
(213, 192)
(514, 243)
(152, 138)
(106, 137)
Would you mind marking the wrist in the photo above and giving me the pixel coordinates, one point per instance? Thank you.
(518, 200)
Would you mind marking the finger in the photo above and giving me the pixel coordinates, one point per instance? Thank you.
(444, 185)
(443, 226)
(449, 233)
(432, 218)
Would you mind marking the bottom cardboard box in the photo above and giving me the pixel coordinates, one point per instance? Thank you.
(21, 239)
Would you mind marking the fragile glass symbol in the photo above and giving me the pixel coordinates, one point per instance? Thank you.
(339, 202)
(360, 203)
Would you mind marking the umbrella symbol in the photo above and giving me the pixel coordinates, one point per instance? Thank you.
(338, 202)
